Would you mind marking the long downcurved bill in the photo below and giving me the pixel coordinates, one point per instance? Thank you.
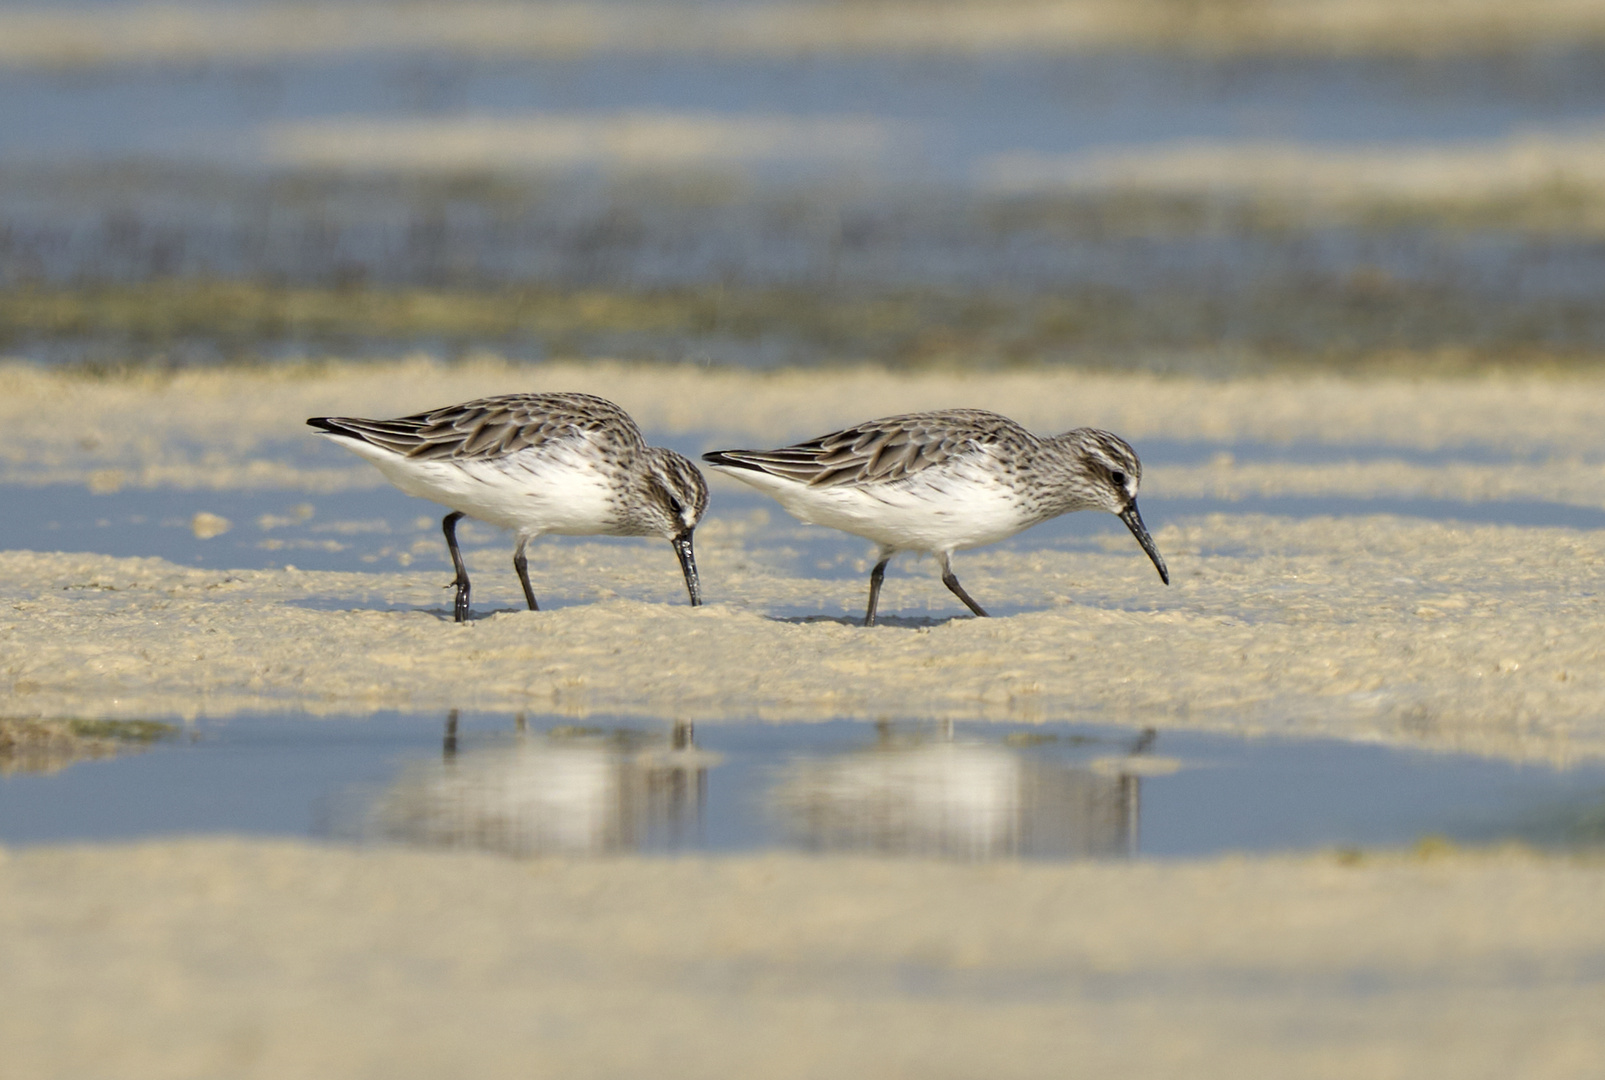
(688, 563)
(1133, 522)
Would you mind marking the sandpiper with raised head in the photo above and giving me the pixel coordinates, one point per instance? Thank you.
(567, 464)
(940, 482)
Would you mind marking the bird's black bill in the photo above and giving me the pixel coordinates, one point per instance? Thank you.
(1133, 522)
(688, 563)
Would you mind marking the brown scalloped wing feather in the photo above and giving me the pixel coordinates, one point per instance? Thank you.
(886, 450)
(495, 427)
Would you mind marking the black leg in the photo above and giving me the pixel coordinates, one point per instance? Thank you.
(876, 576)
(951, 580)
(521, 564)
(449, 527)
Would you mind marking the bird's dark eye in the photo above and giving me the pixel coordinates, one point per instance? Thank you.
(1119, 478)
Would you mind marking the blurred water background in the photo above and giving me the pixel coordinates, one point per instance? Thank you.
(1198, 185)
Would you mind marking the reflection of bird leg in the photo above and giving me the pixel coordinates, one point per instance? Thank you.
(687, 794)
(521, 724)
(1130, 789)
(448, 746)
(677, 802)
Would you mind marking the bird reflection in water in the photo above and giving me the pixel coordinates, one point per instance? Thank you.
(918, 790)
(565, 791)
(914, 794)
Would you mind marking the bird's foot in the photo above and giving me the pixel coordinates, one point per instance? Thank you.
(460, 606)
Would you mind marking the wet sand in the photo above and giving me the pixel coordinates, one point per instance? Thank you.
(230, 428)
(190, 958)
(239, 958)
(203, 959)
(1481, 638)
(1525, 164)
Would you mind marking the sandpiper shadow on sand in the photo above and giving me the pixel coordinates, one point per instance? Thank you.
(907, 622)
(445, 614)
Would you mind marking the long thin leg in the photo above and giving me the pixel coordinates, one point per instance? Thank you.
(449, 527)
(876, 576)
(521, 564)
(952, 582)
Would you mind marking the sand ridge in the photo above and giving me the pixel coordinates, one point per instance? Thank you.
(1378, 627)
(243, 428)
(1372, 628)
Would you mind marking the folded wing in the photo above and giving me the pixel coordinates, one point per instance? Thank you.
(490, 427)
(879, 451)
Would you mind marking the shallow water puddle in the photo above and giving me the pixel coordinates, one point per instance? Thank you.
(971, 791)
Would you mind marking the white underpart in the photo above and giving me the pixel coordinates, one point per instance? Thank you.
(939, 510)
(557, 489)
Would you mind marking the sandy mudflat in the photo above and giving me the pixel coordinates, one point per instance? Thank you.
(1486, 639)
(225, 958)
(204, 959)
(1519, 164)
(237, 428)
(1480, 638)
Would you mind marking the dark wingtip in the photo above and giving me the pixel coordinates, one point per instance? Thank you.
(323, 423)
(722, 457)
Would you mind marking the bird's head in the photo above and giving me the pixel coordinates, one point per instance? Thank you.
(1110, 475)
(676, 499)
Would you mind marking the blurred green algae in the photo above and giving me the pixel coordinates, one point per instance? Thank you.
(45, 745)
(1364, 322)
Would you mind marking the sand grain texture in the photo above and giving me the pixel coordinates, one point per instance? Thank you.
(1374, 627)
(229, 958)
(243, 429)
(283, 960)
(1371, 628)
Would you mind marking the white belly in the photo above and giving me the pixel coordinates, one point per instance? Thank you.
(558, 491)
(946, 511)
